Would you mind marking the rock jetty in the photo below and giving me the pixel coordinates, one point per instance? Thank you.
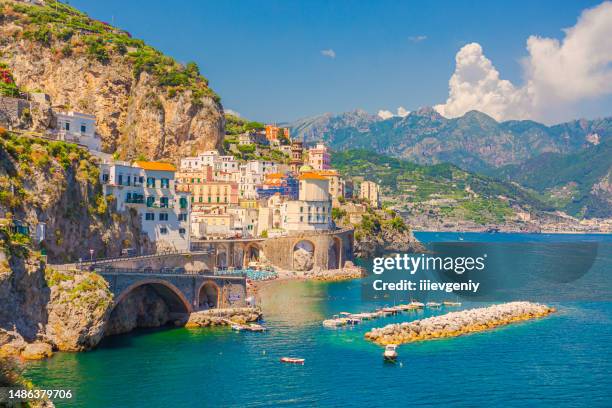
(457, 323)
(221, 317)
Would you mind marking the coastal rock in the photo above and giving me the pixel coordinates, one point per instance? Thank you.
(78, 310)
(220, 317)
(37, 351)
(303, 260)
(387, 240)
(142, 308)
(457, 323)
(349, 271)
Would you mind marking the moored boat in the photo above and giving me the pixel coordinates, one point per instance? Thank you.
(292, 360)
(433, 304)
(416, 304)
(390, 353)
(451, 303)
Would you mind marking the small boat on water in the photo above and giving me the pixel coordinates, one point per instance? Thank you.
(390, 310)
(417, 305)
(353, 320)
(237, 327)
(292, 360)
(433, 304)
(254, 327)
(448, 303)
(390, 353)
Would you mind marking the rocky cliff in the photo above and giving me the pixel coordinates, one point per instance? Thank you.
(145, 103)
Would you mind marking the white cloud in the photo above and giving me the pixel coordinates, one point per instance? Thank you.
(417, 38)
(386, 114)
(558, 75)
(329, 53)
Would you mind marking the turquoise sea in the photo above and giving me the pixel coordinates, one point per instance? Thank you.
(564, 360)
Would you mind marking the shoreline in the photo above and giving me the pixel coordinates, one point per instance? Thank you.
(514, 232)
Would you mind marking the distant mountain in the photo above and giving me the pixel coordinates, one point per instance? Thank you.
(474, 141)
(579, 183)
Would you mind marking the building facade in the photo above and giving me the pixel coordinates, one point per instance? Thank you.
(149, 188)
(78, 128)
(370, 191)
(319, 157)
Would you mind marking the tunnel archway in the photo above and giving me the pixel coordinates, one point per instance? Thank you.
(209, 296)
(147, 303)
(303, 255)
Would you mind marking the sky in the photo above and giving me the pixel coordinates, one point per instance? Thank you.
(277, 61)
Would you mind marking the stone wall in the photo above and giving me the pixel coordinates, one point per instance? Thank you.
(329, 248)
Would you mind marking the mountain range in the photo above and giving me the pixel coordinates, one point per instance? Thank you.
(569, 165)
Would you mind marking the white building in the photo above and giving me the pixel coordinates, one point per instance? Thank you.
(245, 221)
(149, 188)
(200, 161)
(78, 128)
(312, 211)
(252, 176)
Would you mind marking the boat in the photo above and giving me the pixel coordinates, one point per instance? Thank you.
(390, 310)
(448, 303)
(417, 305)
(237, 327)
(292, 360)
(390, 353)
(254, 327)
(353, 320)
(433, 304)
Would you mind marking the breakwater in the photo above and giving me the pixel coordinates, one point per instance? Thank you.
(223, 317)
(457, 323)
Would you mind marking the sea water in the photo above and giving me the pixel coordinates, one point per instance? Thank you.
(564, 360)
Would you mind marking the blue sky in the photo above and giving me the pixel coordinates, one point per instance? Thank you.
(264, 57)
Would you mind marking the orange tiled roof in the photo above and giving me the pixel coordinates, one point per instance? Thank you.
(311, 176)
(148, 165)
(275, 175)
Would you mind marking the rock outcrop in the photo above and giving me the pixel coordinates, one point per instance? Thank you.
(145, 103)
(386, 240)
(78, 309)
(303, 260)
(221, 317)
(457, 323)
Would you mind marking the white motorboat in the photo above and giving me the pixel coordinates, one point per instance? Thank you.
(390, 353)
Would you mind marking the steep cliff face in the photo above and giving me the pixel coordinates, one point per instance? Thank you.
(144, 102)
(58, 184)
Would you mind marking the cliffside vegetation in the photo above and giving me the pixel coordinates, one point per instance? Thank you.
(146, 103)
(451, 191)
(69, 31)
(235, 125)
(57, 183)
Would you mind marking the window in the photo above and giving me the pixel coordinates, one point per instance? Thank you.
(301, 209)
(120, 179)
(163, 230)
(163, 202)
(105, 178)
(183, 202)
(129, 179)
(67, 126)
(181, 231)
(149, 216)
(163, 216)
(83, 128)
(151, 182)
(182, 217)
(165, 183)
(301, 218)
(150, 201)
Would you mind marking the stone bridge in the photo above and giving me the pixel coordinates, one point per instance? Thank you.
(182, 292)
(200, 279)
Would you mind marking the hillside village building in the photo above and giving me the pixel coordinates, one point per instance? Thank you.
(319, 157)
(80, 128)
(370, 191)
(149, 188)
(273, 133)
(312, 210)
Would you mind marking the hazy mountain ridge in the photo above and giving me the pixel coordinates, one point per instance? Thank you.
(474, 141)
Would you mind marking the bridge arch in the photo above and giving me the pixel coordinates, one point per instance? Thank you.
(172, 296)
(252, 252)
(209, 295)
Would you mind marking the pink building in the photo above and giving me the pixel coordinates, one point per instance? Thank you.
(319, 157)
